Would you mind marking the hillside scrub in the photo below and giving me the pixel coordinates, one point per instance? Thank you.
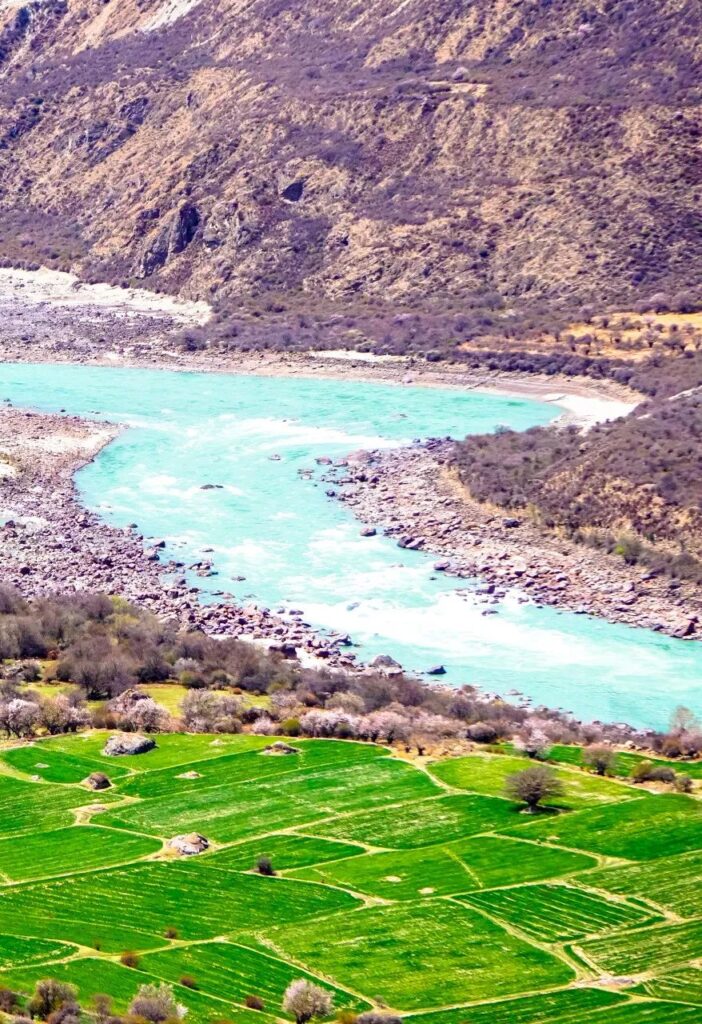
(632, 486)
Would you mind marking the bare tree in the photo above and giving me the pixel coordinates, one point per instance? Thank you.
(49, 996)
(533, 785)
(305, 1000)
(154, 1003)
(600, 758)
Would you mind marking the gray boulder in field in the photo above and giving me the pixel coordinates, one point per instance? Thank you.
(125, 743)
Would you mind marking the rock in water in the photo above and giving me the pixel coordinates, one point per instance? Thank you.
(97, 780)
(125, 743)
(189, 845)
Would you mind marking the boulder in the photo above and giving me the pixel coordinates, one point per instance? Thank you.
(189, 775)
(189, 845)
(279, 747)
(97, 780)
(384, 663)
(436, 670)
(125, 701)
(127, 743)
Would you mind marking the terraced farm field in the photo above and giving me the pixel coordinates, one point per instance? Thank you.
(419, 889)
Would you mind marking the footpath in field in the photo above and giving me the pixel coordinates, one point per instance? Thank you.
(422, 890)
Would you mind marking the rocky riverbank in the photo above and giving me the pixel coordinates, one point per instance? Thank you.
(49, 543)
(410, 494)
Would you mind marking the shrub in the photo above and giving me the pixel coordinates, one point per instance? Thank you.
(255, 1003)
(305, 1000)
(187, 981)
(290, 727)
(154, 1003)
(49, 996)
(8, 1000)
(647, 771)
(129, 959)
(264, 866)
(599, 757)
(170, 933)
(533, 785)
(683, 783)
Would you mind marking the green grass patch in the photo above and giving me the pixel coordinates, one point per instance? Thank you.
(570, 1006)
(420, 824)
(553, 913)
(52, 765)
(674, 883)
(79, 848)
(421, 954)
(284, 851)
(659, 826)
(647, 949)
(450, 868)
(160, 895)
(276, 801)
(234, 972)
(624, 762)
(16, 950)
(487, 773)
(684, 985)
(93, 977)
(27, 806)
(172, 749)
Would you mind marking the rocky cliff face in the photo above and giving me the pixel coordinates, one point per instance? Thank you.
(413, 153)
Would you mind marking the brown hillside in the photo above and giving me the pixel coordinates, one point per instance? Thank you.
(429, 154)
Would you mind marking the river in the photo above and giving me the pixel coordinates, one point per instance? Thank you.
(249, 436)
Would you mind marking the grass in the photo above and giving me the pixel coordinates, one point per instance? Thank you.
(631, 953)
(645, 829)
(487, 774)
(674, 883)
(52, 765)
(449, 906)
(411, 824)
(624, 762)
(284, 852)
(93, 976)
(569, 1006)
(198, 903)
(423, 954)
(70, 849)
(553, 913)
(685, 985)
(234, 972)
(447, 868)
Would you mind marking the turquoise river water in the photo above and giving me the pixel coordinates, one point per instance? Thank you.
(296, 548)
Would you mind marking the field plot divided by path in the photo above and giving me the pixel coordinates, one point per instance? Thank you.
(553, 913)
(422, 954)
(637, 830)
(451, 906)
(457, 867)
(487, 774)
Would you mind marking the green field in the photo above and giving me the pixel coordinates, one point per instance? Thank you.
(426, 891)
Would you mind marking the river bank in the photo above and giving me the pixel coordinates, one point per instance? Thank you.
(411, 495)
(49, 543)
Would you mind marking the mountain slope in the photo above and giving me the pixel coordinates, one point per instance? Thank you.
(426, 154)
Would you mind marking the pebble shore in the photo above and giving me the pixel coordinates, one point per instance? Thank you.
(412, 495)
(49, 543)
